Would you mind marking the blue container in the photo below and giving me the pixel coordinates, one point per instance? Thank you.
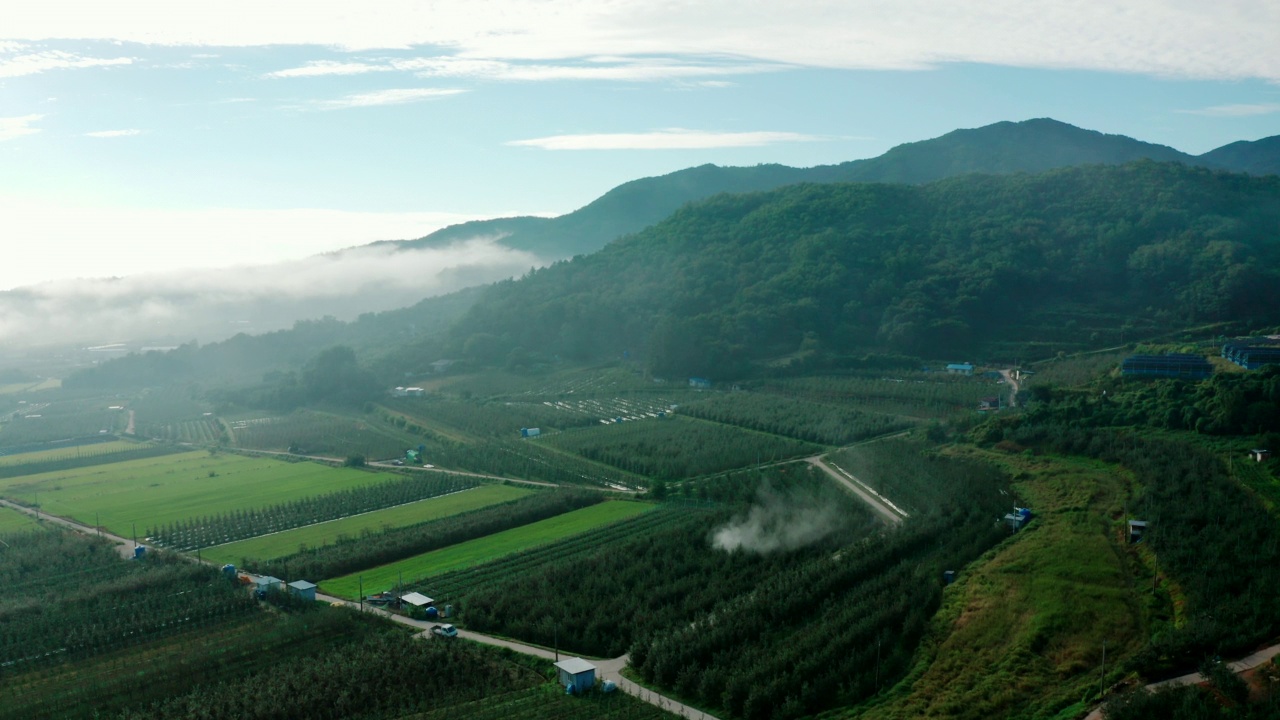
(432, 613)
(139, 551)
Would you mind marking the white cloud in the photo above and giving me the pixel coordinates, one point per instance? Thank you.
(639, 70)
(33, 63)
(113, 133)
(668, 139)
(395, 96)
(1183, 38)
(12, 127)
(79, 241)
(1239, 110)
(328, 67)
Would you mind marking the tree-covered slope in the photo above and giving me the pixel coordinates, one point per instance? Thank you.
(1259, 157)
(1006, 147)
(942, 269)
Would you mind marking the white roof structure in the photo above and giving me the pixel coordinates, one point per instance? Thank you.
(301, 585)
(416, 599)
(574, 666)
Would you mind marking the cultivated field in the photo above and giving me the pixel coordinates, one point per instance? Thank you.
(13, 520)
(279, 544)
(475, 552)
(166, 489)
(62, 453)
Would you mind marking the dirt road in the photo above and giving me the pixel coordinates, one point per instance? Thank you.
(885, 509)
(123, 545)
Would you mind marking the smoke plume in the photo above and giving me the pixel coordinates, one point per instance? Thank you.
(779, 522)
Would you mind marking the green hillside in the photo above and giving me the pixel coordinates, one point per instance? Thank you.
(978, 264)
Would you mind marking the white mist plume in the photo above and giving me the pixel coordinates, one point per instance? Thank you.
(779, 522)
(206, 303)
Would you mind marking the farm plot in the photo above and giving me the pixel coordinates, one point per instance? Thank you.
(279, 544)
(800, 419)
(59, 420)
(919, 395)
(315, 433)
(95, 449)
(15, 521)
(176, 487)
(204, 431)
(677, 447)
(475, 552)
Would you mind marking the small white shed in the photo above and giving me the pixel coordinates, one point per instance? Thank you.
(577, 674)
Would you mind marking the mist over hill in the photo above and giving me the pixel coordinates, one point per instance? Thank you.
(210, 305)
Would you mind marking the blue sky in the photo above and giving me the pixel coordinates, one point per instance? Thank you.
(139, 136)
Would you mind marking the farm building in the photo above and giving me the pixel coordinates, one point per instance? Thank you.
(960, 368)
(1172, 365)
(1260, 454)
(1137, 528)
(303, 589)
(530, 432)
(266, 582)
(1253, 353)
(700, 383)
(1017, 519)
(415, 600)
(576, 675)
(989, 403)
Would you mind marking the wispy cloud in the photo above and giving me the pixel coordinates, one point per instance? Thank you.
(616, 69)
(113, 133)
(394, 96)
(668, 139)
(320, 68)
(33, 63)
(1238, 110)
(13, 127)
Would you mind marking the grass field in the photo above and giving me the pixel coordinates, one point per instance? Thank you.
(275, 545)
(93, 450)
(475, 552)
(13, 520)
(1020, 634)
(174, 487)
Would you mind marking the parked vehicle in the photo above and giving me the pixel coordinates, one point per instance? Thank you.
(447, 631)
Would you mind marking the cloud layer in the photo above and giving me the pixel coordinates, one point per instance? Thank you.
(212, 304)
(1225, 39)
(13, 127)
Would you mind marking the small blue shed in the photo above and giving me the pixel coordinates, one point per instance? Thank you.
(576, 675)
(960, 368)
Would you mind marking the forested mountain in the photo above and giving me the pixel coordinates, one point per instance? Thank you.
(1259, 157)
(945, 269)
(1005, 147)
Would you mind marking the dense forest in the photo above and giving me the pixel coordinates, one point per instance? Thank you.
(939, 270)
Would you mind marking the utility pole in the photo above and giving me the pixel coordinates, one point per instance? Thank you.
(135, 533)
(1103, 678)
(97, 525)
(361, 593)
(878, 664)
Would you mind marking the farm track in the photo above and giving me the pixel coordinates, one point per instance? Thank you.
(887, 512)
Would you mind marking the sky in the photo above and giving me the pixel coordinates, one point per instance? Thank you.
(144, 136)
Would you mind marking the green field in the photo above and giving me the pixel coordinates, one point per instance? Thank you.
(14, 520)
(94, 450)
(176, 487)
(475, 552)
(276, 545)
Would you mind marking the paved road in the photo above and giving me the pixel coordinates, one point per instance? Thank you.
(891, 515)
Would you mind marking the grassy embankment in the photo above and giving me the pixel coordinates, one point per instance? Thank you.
(159, 490)
(1021, 633)
(474, 552)
(267, 547)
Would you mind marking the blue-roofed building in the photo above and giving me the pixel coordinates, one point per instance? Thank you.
(960, 368)
(700, 383)
(1252, 353)
(1171, 365)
